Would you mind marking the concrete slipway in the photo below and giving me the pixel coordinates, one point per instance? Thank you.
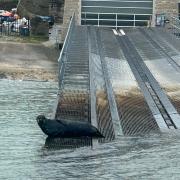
(124, 82)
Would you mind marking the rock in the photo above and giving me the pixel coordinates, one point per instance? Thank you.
(31, 8)
(8, 4)
(3, 76)
(39, 28)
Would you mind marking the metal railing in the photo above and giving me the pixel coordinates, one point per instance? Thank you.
(175, 26)
(64, 51)
(115, 20)
(11, 27)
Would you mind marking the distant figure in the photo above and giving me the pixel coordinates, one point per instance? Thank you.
(67, 129)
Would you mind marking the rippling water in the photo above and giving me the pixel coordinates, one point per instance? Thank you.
(22, 156)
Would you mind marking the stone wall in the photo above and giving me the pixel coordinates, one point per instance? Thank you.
(31, 8)
(56, 9)
(169, 7)
(70, 7)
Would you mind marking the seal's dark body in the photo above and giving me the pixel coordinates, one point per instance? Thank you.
(67, 129)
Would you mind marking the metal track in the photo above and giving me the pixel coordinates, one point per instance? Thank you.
(104, 114)
(165, 34)
(93, 112)
(134, 113)
(159, 47)
(148, 82)
(109, 89)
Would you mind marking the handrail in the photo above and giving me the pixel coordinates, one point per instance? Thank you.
(87, 12)
(115, 20)
(66, 41)
(117, 7)
(63, 54)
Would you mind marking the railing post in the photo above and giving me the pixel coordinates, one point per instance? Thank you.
(98, 19)
(85, 18)
(116, 21)
(134, 22)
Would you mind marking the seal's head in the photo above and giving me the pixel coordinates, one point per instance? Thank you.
(40, 119)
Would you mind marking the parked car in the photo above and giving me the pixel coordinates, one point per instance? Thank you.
(49, 19)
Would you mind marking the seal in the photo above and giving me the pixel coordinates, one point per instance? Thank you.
(67, 128)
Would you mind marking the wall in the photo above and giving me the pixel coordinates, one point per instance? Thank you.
(56, 9)
(70, 7)
(169, 7)
(31, 8)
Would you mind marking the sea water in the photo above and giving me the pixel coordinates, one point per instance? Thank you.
(23, 156)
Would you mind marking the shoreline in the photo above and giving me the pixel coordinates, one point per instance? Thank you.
(28, 74)
(28, 61)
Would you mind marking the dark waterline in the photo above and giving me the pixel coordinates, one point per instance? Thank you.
(22, 156)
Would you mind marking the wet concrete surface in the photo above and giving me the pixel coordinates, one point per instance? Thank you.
(136, 104)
